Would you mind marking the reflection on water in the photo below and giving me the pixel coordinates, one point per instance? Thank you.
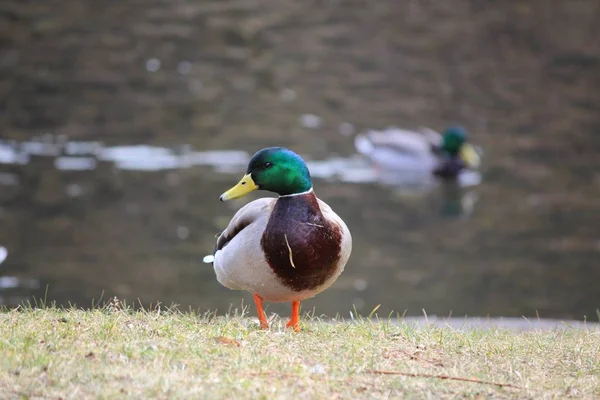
(143, 98)
(11, 282)
(456, 202)
(3, 254)
(123, 233)
(81, 156)
(14, 290)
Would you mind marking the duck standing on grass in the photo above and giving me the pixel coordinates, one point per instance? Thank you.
(286, 249)
(427, 151)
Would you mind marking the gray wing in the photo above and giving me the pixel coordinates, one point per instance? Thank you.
(244, 217)
(402, 141)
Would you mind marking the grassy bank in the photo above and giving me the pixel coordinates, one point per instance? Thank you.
(114, 353)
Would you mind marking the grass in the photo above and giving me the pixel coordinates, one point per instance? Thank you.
(116, 352)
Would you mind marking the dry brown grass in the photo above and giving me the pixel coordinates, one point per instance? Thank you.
(120, 353)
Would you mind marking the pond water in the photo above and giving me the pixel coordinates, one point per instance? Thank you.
(123, 125)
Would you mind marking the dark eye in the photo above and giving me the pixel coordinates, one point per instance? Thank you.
(267, 164)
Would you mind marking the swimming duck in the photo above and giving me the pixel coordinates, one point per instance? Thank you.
(284, 249)
(423, 151)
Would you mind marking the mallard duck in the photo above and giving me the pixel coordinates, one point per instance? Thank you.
(284, 249)
(424, 151)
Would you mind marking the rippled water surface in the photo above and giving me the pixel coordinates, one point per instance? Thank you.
(123, 123)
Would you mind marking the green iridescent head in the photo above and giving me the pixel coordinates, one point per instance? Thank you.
(454, 143)
(275, 169)
(453, 139)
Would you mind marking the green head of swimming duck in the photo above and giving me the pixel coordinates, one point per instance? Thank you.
(453, 140)
(454, 145)
(275, 169)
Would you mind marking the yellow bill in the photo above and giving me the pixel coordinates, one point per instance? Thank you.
(470, 156)
(244, 186)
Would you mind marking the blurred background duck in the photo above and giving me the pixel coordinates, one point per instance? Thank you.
(443, 155)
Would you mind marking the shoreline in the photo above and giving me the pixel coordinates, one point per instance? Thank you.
(517, 324)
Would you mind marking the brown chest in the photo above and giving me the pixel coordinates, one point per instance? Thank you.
(300, 245)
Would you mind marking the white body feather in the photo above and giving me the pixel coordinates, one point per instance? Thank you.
(241, 264)
(400, 149)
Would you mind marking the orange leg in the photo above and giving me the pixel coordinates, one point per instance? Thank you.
(261, 313)
(294, 321)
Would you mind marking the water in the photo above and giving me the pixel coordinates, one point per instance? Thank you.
(116, 144)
